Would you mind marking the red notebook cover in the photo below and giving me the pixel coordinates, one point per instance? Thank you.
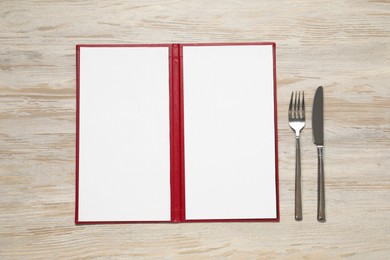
(176, 133)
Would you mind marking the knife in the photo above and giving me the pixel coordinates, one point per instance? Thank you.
(318, 139)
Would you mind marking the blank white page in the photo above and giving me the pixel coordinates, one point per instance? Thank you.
(124, 171)
(229, 132)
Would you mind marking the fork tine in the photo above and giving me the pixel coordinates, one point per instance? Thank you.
(290, 106)
(303, 105)
(299, 105)
(295, 105)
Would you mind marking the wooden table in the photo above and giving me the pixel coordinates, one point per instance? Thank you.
(342, 45)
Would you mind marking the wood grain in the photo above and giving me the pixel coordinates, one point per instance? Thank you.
(342, 45)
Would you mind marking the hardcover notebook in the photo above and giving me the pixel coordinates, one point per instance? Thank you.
(176, 133)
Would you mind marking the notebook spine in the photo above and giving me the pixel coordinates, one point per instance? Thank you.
(177, 135)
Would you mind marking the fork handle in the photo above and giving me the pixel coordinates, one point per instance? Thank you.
(321, 186)
(298, 189)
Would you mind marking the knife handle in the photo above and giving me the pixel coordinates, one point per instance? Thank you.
(298, 190)
(321, 186)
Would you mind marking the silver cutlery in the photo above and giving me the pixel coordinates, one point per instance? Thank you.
(318, 139)
(296, 120)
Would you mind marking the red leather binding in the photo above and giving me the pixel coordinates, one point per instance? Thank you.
(77, 130)
(176, 117)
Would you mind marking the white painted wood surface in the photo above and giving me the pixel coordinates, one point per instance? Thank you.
(342, 45)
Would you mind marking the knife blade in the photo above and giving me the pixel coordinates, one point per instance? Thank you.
(318, 139)
(318, 117)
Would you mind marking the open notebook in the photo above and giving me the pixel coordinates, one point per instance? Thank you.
(176, 133)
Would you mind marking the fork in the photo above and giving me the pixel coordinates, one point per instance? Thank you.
(296, 120)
